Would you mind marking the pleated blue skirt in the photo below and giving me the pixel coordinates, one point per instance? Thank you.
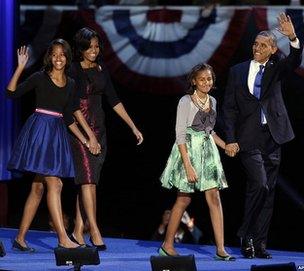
(43, 147)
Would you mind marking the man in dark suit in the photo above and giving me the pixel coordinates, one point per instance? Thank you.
(256, 124)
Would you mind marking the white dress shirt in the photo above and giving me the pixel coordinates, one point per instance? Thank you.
(254, 69)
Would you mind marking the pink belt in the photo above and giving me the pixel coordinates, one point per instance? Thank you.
(48, 112)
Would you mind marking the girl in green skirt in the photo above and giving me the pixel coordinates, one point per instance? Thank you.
(194, 163)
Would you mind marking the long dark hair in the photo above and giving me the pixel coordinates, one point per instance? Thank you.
(47, 60)
(192, 74)
(82, 41)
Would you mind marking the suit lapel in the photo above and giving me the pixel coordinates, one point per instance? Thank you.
(267, 75)
(244, 77)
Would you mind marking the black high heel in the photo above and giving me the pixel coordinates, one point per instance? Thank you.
(99, 247)
(61, 246)
(73, 239)
(18, 246)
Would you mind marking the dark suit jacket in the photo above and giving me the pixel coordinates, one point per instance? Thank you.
(242, 110)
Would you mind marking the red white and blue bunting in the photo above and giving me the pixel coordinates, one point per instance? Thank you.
(151, 49)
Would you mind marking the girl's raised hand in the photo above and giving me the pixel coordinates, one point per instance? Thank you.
(23, 56)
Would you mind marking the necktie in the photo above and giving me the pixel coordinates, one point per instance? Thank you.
(258, 82)
(257, 89)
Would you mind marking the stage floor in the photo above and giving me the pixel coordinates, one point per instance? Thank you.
(127, 255)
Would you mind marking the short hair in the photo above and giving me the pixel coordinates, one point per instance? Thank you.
(47, 60)
(269, 34)
(82, 41)
(193, 73)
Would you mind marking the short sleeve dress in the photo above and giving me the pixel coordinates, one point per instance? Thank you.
(92, 85)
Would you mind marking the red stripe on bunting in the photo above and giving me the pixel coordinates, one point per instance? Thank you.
(164, 15)
(260, 17)
(223, 54)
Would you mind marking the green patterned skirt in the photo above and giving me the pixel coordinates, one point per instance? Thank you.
(205, 159)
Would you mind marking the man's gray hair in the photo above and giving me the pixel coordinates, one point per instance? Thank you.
(269, 34)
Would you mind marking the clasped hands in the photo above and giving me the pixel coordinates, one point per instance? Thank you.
(232, 149)
(93, 146)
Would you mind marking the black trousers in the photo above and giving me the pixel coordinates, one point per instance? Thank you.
(261, 165)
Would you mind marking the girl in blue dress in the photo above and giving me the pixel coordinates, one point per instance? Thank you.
(43, 145)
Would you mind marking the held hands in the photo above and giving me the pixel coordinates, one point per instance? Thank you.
(286, 27)
(138, 135)
(232, 149)
(23, 56)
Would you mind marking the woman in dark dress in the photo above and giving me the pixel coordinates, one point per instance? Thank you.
(93, 83)
(43, 145)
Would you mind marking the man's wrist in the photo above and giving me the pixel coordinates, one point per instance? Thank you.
(292, 38)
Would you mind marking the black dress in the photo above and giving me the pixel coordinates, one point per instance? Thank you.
(91, 86)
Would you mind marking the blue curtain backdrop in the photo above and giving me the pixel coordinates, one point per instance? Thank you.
(8, 108)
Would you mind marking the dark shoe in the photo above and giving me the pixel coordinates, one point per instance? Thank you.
(162, 252)
(262, 253)
(99, 247)
(247, 248)
(73, 239)
(224, 258)
(18, 246)
(80, 246)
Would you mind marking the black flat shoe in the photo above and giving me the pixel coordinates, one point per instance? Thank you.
(99, 247)
(16, 245)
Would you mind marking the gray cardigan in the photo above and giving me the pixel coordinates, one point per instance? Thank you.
(189, 115)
